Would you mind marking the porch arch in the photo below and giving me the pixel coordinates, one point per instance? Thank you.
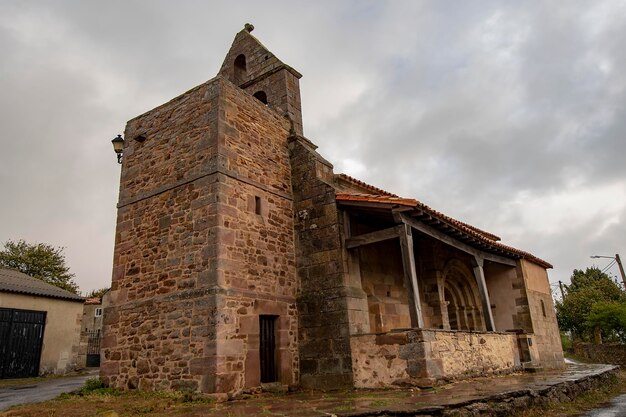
(461, 295)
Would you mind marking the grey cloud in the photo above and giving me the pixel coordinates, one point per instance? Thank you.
(469, 107)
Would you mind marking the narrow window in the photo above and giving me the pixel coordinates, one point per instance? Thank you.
(257, 205)
(98, 312)
(140, 138)
(543, 308)
(241, 71)
(261, 96)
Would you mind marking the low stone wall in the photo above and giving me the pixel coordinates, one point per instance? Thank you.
(380, 360)
(512, 402)
(423, 357)
(614, 354)
(467, 354)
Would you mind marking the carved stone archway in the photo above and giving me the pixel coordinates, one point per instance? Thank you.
(460, 292)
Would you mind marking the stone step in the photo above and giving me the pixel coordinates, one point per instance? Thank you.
(531, 367)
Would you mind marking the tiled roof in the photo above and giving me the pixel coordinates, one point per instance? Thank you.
(487, 238)
(93, 301)
(379, 192)
(17, 282)
(364, 185)
(374, 198)
(459, 223)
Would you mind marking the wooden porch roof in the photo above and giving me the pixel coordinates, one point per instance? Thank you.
(460, 231)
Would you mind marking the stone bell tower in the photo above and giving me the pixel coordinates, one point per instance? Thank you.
(204, 287)
(253, 68)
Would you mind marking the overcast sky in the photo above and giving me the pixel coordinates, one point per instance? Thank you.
(508, 115)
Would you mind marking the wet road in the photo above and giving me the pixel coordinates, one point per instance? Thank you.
(617, 408)
(41, 391)
(324, 405)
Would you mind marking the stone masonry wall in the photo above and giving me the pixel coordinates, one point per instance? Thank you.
(468, 354)
(162, 312)
(546, 339)
(521, 318)
(255, 258)
(253, 142)
(382, 277)
(325, 360)
(422, 357)
(606, 353)
(500, 280)
(379, 361)
(204, 245)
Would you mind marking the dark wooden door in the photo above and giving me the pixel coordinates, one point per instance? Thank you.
(267, 349)
(21, 338)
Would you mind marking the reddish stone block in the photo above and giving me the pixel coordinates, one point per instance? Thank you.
(249, 325)
(202, 366)
(252, 369)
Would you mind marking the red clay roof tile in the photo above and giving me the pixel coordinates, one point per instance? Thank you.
(374, 198)
(361, 184)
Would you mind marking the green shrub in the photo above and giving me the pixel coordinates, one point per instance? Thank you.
(97, 387)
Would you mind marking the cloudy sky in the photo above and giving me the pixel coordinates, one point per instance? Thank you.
(507, 115)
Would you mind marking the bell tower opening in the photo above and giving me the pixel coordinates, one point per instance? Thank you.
(240, 71)
(261, 96)
(252, 67)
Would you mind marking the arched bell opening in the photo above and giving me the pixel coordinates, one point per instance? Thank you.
(240, 71)
(261, 96)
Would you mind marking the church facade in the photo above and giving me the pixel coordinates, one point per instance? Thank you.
(241, 258)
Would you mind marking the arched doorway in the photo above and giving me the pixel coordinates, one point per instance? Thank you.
(461, 296)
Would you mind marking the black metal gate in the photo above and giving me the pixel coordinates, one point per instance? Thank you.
(21, 338)
(93, 349)
(267, 350)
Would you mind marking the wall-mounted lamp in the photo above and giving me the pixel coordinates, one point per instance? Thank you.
(118, 147)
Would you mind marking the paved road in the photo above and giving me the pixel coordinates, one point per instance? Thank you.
(617, 408)
(41, 391)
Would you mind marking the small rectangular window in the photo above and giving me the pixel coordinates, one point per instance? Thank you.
(98, 312)
(257, 204)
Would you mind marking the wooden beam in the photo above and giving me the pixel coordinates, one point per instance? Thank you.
(347, 230)
(410, 276)
(479, 274)
(439, 235)
(364, 204)
(373, 237)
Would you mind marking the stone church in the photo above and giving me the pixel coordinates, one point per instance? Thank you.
(241, 259)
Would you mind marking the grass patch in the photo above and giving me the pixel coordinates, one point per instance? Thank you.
(34, 380)
(344, 407)
(94, 399)
(380, 403)
(94, 386)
